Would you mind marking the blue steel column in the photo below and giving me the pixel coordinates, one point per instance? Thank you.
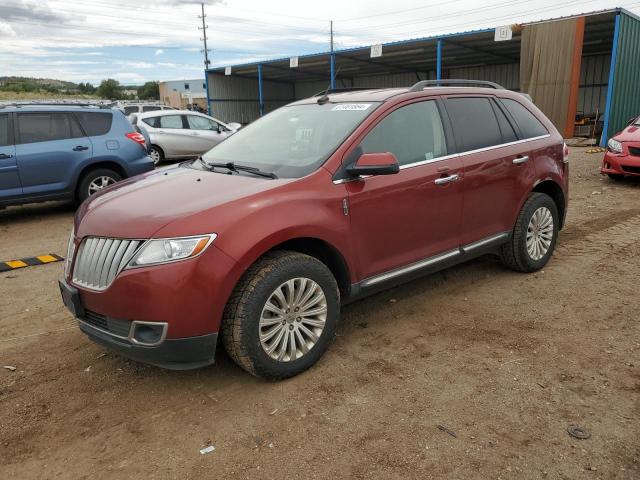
(439, 60)
(332, 61)
(612, 68)
(260, 97)
(206, 88)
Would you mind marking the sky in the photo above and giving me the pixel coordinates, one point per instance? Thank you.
(135, 42)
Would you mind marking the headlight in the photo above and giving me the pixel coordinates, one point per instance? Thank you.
(167, 250)
(614, 145)
(71, 247)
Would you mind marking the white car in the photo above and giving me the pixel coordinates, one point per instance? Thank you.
(129, 108)
(178, 134)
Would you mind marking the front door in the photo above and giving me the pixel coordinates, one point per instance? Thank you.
(9, 178)
(204, 132)
(400, 219)
(49, 148)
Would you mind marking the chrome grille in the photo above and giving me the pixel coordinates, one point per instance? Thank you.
(99, 260)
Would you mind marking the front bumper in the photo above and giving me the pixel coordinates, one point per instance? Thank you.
(620, 163)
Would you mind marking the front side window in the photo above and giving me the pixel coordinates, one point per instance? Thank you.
(292, 141)
(4, 130)
(44, 127)
(171, 121)
(413, 133)
(201, 123)
(529, 125)
(474, 122)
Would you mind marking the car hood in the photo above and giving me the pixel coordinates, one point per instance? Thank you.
(141, 206)
(629, 134)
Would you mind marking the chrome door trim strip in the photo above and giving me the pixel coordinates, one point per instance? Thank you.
(410, 268)
(485, 241)
(448, 157)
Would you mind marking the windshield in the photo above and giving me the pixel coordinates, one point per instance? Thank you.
(292, 141)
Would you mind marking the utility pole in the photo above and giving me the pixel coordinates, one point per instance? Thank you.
(204, 38)
(331, 27)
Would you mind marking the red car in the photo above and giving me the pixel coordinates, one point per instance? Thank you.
(316, 204)
(623, 152)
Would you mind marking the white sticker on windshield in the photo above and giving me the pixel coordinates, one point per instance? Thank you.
(351, 106)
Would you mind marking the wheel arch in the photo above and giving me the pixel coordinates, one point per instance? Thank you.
(115, 166)
(554, 190)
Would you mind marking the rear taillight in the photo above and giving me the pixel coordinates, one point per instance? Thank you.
(565, 153)
(136, 137)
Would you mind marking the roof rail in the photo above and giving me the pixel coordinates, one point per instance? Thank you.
(453, 82)
(55, 104)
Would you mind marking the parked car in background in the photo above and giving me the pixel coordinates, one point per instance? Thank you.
(316, 204)
(180, 134)
(129, 108)
(623, 153)
(50, 152)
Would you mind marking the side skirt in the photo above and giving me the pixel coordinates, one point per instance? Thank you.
(441, 261)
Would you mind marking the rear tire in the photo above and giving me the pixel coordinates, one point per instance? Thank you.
(534, 235)
(94, 181)
(261, 329)
(615, 176)
(156, 154)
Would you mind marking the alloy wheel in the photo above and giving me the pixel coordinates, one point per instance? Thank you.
(293, 319)
(99, 183)
(539, 233)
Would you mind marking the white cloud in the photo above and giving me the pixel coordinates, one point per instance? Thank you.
(6, 30)
(129, 77)
(159, 52)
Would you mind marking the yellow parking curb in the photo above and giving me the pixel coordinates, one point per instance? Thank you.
(596, 150)
(29, 262)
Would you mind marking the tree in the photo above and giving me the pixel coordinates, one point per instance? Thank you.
(86, 88)
(109, 89)
(149, 91)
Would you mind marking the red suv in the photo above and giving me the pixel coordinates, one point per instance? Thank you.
(314, 205)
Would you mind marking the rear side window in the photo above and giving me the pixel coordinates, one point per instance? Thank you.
(475, 123)
(95, 123)
(171, 121)
(150, 108)
(528, 124)
(44, 127)
(413, 133)
(4, 130)
(130, 109)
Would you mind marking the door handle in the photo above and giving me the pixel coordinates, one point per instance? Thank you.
(445, 180)
(520, 160)
(4, 155)
(80, 148)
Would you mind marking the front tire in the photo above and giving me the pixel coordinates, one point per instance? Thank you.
(96, 180)
(534, 235)
(282, 315)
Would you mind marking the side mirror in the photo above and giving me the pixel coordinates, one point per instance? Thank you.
(374, 164)
(234, 126)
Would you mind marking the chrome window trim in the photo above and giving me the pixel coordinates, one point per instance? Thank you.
(448, 157)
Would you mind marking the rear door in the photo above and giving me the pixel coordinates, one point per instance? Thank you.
(400, 219)
(204, 132)
(9, 178)
(496, 171)
(50, 146)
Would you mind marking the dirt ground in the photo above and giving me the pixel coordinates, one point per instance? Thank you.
(503, 361)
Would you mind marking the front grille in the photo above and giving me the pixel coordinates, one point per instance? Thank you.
(635, 151)
(630, 169)
(116, 327)
(99, 260)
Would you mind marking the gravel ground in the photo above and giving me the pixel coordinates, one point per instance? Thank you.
(475, 372)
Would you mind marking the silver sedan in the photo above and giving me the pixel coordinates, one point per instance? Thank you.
(179, 134)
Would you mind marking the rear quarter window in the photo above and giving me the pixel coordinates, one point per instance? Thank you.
(152, 121)
(95, 123)
(528, 124)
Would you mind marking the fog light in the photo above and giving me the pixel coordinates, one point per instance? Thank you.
(148, 333)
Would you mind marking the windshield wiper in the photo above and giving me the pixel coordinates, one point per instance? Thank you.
(234, 167)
